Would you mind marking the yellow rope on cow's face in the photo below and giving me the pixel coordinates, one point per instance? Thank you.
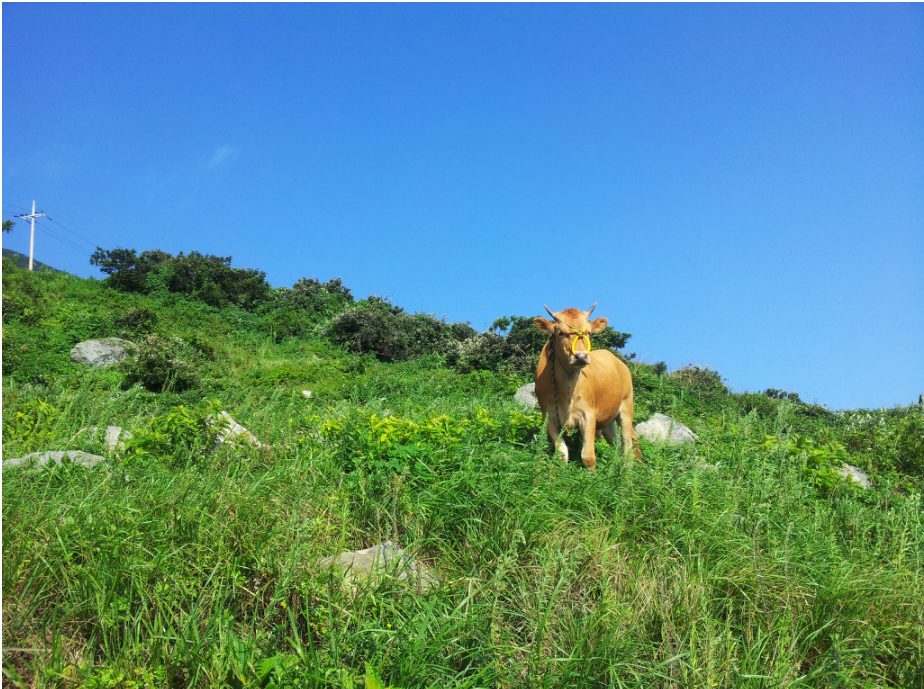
(581, 335)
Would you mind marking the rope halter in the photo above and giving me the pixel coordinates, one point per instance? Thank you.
(582, 334)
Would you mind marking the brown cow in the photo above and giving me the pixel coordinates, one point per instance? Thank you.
(578, 388)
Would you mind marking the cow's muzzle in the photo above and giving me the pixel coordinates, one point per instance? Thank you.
(580, 359)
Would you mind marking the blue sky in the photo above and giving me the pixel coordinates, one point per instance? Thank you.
(739, 186)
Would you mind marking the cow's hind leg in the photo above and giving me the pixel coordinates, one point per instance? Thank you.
(629, 440)
(609, 432)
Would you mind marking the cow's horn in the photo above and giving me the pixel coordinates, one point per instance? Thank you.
(591, 309)
(554, 317)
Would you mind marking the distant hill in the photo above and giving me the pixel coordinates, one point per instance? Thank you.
(22, 261)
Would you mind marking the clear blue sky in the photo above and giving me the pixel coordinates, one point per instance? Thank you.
(739, 186)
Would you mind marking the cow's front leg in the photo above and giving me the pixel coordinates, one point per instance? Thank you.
(589, 434)
(558, 439)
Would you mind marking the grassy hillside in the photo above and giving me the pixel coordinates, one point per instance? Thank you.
(742, 560)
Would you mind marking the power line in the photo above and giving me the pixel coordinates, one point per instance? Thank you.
(62, 226)
(63, 240)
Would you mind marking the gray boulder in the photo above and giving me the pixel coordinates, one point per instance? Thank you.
(105, 352)
(855, 474)
(385, 558)
(40, 459)
(661, 428)
(526, 395)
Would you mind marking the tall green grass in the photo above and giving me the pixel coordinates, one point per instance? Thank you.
(719, 564)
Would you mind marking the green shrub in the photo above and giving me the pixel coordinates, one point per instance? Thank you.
(177, 436)
(205, 277)
(702, 382)
(910, 445)
(765, 407)
(161, 363)
(375, 326)
(820, 463)
(389, 444)
(136, 321)
(30, 425)
(777, 394)
(23, 297)
(35, 355)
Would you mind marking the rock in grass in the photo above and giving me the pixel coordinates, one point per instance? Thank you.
(663, 428)
(231, 431)
(113, 433)
(105, 352)
(40, 459)
(113, 438)
(526, 395)
(380, 560)
(856, 475)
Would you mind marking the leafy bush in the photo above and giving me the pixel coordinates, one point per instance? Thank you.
(23, 297)
(391, 443)
(702, 382)
(127, 270)
(765, 407)
(177, 436)
(375, 326)
(820, 463)
(910, 445)
(777, 394)
(136, 321)
(205, 277)
(294, 312)
(30, 425)
(161, 363)
(315, 299)
(35, 355)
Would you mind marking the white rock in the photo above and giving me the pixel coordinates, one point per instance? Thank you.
(308, 393)
(40, 459)
(856, 475)
(113, 433)
(231, 431)
(105, 352)
(526, 395)
(663, 428)
(381, 559)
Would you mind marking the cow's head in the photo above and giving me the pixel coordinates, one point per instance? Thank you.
(570, 334)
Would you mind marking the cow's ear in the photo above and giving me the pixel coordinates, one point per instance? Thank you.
(544, 325)
(597, 325)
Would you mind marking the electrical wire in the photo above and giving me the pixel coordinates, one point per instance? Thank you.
(59, 224)
(62, 226)
(63, 240)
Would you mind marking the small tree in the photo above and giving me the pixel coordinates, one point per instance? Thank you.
(8, 225)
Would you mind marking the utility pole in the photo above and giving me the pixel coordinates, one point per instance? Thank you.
(32, 236)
